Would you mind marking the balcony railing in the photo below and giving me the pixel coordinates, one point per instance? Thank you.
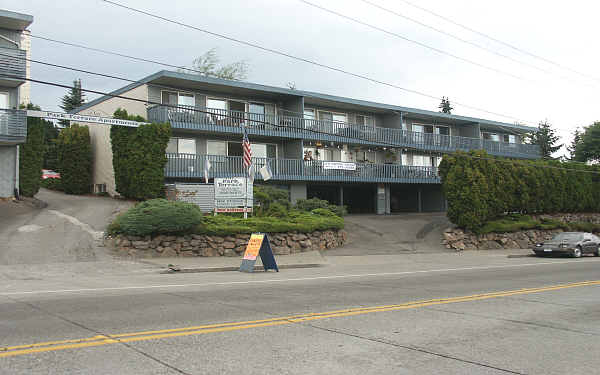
(226, 121)
(192, 166)
(13, 125)
(12, 63)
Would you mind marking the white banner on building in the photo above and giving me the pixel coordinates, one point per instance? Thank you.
(83, 118)
(339, 165)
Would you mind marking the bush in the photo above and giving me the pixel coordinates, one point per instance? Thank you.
(314, 203)
(52, 184)
(31, 156)
(515, 223)
(75, 159)
(157, 216)
(139, 157)
(266, 197)
(480, 189)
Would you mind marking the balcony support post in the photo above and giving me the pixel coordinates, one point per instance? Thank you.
(341, 195)
(419, 199)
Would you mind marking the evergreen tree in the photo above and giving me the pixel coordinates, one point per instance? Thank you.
(546, 138)
(572, 148)
(445, 106)
(588, 148)
(74, 99)
(75, 159)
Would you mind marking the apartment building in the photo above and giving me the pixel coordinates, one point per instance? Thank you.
(14, 90)
(372, 157)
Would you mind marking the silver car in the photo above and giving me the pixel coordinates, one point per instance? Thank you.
(574, 244)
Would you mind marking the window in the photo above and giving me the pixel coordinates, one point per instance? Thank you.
(442, 130)
(259, 150)
(3, 100)
(423, 160)
(510, 138)
(216, 148)
(178, 98)
(309, 114)
(331, 116)
(364, 120)
(181, 146)
(216, 104)
(422, 128)
(491, 136)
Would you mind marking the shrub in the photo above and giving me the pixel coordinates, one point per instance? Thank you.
(480, 189)
(157, 216)
(52, 184)
(75, 159)
(139, 157)
(31, 156)
(267, 196)
(314, 203)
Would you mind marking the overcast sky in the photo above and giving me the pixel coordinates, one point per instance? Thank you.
(564, 32)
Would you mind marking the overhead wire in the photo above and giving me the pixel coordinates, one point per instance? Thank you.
(506, 44)
(190, 109)
(305, 60)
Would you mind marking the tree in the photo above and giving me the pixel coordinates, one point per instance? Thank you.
(445, 106)
(208, 65)
(291, 85)
(75, 159)
(31, 157)
(588, 148)
(545, 137)
(74, 99)
(577, 134)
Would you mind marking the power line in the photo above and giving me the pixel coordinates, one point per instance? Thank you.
(414, 41)
(512, 161)
(447, 19)
(305, 60)
(471, 43)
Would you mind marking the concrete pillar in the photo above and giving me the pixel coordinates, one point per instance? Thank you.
(419, 199)
(388, 196)
(341, 195)
(297, 191)
(380, 199)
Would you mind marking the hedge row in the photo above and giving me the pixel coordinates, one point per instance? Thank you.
(139, 157)
(480, 188)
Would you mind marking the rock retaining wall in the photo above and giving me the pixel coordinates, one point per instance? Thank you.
(213, 246)
(458, 239)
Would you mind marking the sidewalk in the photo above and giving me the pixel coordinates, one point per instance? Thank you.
(308, 259)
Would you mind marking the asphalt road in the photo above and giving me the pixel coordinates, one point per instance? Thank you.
(471, 313)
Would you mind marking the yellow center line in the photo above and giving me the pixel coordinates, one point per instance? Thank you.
(100, 340)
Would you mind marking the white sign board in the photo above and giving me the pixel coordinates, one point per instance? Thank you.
(339, 165)
(83, 118)
(233, 193)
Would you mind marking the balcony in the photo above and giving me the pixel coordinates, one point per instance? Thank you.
(192, 166)
(13, 126)
(225, 121)
(12, 67)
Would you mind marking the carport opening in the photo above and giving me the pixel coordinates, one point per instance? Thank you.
(360, 199)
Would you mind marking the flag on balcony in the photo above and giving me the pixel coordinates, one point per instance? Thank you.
(247, 158)
(266, 173)
(207, 166)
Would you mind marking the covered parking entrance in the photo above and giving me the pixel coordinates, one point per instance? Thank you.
(416, 198)
(359, 198)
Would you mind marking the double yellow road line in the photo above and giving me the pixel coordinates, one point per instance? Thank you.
(101, 340)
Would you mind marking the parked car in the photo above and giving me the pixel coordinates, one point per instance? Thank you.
(47, 173)
(574, 244)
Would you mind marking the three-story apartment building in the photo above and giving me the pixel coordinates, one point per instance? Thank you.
(14, 90)
(372, 157)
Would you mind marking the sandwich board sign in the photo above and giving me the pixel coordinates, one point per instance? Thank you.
(258, 245)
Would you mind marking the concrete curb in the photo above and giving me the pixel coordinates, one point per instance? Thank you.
(228, 269)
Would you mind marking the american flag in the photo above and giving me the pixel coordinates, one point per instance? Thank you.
(247, 151)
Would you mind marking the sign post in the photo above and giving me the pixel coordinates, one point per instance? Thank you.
(258, 245)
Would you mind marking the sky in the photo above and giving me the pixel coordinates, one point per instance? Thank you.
(529, 89)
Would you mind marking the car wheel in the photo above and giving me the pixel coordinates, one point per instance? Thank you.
(576, 252)
(539, 253)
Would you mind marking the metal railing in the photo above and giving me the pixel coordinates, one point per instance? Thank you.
(12, 62)
(13, 124)
(192, 166)
(227, 121)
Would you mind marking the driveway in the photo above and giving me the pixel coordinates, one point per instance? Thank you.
(67, 230)
(393, 234)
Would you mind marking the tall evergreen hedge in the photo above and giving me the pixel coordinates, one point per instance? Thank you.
(480, 188)
(31, 157)
(139, 157)
(74, 154)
